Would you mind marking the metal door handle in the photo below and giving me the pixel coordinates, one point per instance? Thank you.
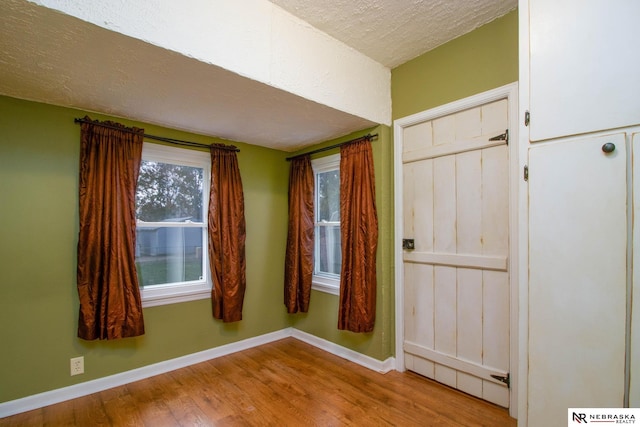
(609, 147)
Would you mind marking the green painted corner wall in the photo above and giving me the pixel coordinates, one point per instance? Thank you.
(39, 156)
(322, 318)
(483, 59)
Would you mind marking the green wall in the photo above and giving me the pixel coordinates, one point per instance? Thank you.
(39, 155)
(483, 59)
(322, 318)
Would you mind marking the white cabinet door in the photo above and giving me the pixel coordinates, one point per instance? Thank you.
(584, 65)
(634, 351)
(577, 279)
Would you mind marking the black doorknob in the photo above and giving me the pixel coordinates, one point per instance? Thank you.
(609, 147)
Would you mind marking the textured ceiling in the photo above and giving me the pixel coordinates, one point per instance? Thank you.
(50, 57)
(395, 31)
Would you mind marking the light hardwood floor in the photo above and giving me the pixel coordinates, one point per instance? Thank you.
(284, 383)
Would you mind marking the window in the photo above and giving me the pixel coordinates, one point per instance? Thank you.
(327, 253)
(171, 234)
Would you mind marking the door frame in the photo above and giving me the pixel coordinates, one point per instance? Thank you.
(517, 224)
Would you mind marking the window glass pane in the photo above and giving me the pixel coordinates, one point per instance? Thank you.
(328, 255)
(328, 188)
(168, 192)
(169, 255)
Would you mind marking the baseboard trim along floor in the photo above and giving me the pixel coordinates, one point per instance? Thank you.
(51, 397)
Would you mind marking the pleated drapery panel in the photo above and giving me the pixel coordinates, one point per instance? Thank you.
(359, 234)
(298, 268)
(110, 303)
(227, 233)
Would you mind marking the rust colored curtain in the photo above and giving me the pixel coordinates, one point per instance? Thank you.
(298, 267)
(226, 236)
(110, 304)
(359, 235)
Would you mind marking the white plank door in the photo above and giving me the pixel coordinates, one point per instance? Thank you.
(456, 282)
(577, 277)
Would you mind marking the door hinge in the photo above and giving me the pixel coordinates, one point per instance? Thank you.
(502, 137)
(526, 173)
(527, 118)
(503, 378)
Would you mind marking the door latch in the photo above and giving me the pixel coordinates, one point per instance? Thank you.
(408, 244)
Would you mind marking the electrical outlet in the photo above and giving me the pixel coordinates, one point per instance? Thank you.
(77, 365)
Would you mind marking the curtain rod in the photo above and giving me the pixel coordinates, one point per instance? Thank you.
(320, 150)
(162, 138)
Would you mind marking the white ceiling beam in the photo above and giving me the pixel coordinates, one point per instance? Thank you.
(255, 39)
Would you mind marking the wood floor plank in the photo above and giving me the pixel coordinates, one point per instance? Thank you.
(350, 401)
(90, 411)
(270, 387)
(284, 383)
(399, 397)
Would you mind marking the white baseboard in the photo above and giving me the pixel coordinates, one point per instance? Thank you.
(346, 353)
(71, 392)
(39, 400)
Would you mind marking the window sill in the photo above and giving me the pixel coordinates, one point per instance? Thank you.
(324, 284)
(172, 294)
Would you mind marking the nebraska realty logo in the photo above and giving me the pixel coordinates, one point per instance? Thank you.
(580, 416)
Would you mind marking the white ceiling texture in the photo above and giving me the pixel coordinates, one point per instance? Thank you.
(394, 31)
(313, 71)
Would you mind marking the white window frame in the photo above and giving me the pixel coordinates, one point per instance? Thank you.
(181, 291)
(321, 282)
